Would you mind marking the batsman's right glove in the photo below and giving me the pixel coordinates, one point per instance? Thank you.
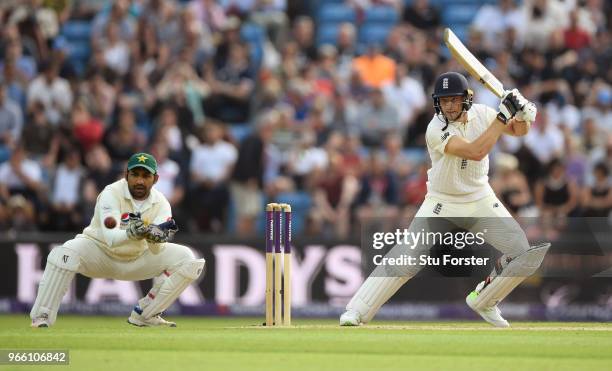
(136, 228)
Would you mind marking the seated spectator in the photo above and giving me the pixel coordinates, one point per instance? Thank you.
(231, 87)
(406, 94)
(53, 91)
(11, 123)
(575, 37)
(422, 15)
(376, 120)
(171, 182)
(211, 165)
(87, 130)
(544, 142)
(556, 197)
(125, 139)
(414, 191)
(375, 68)
(120, 14)
(378, 196)
(116, 51)
(511, 185)
(509, 18)
(40, 139)
(100, 173)
(303, 35)
(20, 175)
(20, 215)
(335, 189)
(597, 199)
(66, 190)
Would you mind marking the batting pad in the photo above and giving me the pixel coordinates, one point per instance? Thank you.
(373, 293)
(173, 286)
(62, 264)
(511, 276)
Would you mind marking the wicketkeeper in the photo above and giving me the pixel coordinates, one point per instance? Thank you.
(127, 239)
(459, 138)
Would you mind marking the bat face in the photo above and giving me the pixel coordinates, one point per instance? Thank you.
(471, 64)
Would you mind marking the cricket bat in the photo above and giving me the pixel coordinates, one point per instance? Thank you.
(471, 64)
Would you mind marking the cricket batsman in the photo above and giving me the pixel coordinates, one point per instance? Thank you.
(127, 239)
(459, 138)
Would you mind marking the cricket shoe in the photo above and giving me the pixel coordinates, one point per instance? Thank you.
(41, 321)
(490, 314)
(137, 319)
(350, 318)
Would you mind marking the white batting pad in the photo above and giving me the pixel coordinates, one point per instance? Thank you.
(373, 293)
(499, 286)
(173, 286)
(62, 264)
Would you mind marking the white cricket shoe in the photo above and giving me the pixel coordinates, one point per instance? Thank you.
(41, 321)
(491, 314)
(350, 318)
(137, 319)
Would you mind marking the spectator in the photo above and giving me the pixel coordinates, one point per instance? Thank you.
(124, 140)
(87, 130)
(407, 95)
(171, 182)
(66, 190)
(116, 51)
(509, 18)
(422, 15)
(231, 87)
(118, 14)
(544, 141)
(212, 162)
(11, 123)
(377, 119)
(40, 139)
(20, 175)
(574, 36)
(20, 215)
(248, 175)
(209, 13)
(596, 200)
(303, 35)
(511, 185)
(335, 190)
(556, 197)
(378, 196)
(53, 91)
(374, 68)
(543, 18)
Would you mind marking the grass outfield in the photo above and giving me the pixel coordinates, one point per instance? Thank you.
(110, 344)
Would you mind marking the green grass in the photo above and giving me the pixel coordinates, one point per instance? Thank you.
(110, 344)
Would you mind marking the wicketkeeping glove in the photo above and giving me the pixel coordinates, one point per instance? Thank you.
(163, 232)
(136, 228)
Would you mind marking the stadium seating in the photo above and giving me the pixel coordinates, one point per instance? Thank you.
(380, 14)
(336, 13)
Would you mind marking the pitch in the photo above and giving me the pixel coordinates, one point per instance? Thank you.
(109, 343)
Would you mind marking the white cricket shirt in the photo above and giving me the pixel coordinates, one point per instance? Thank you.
(452, 178)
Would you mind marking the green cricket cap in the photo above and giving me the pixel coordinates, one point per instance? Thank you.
(144, 160)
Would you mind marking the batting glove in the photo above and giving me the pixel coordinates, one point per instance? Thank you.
(511, 103)
(528, 113)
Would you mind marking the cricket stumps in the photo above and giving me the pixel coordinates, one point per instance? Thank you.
(278, 264)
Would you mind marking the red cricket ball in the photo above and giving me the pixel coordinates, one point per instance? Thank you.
(110, 222)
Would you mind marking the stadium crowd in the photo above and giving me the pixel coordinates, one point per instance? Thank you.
(335, 128)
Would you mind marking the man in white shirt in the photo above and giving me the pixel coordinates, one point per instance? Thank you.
(52, 91)
(459, 138)
(127, 239)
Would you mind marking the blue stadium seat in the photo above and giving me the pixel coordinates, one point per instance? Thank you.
(374, 33)
(381, 14)
(77, 30)
(327, 33)
(336, 13)
(459, 13)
